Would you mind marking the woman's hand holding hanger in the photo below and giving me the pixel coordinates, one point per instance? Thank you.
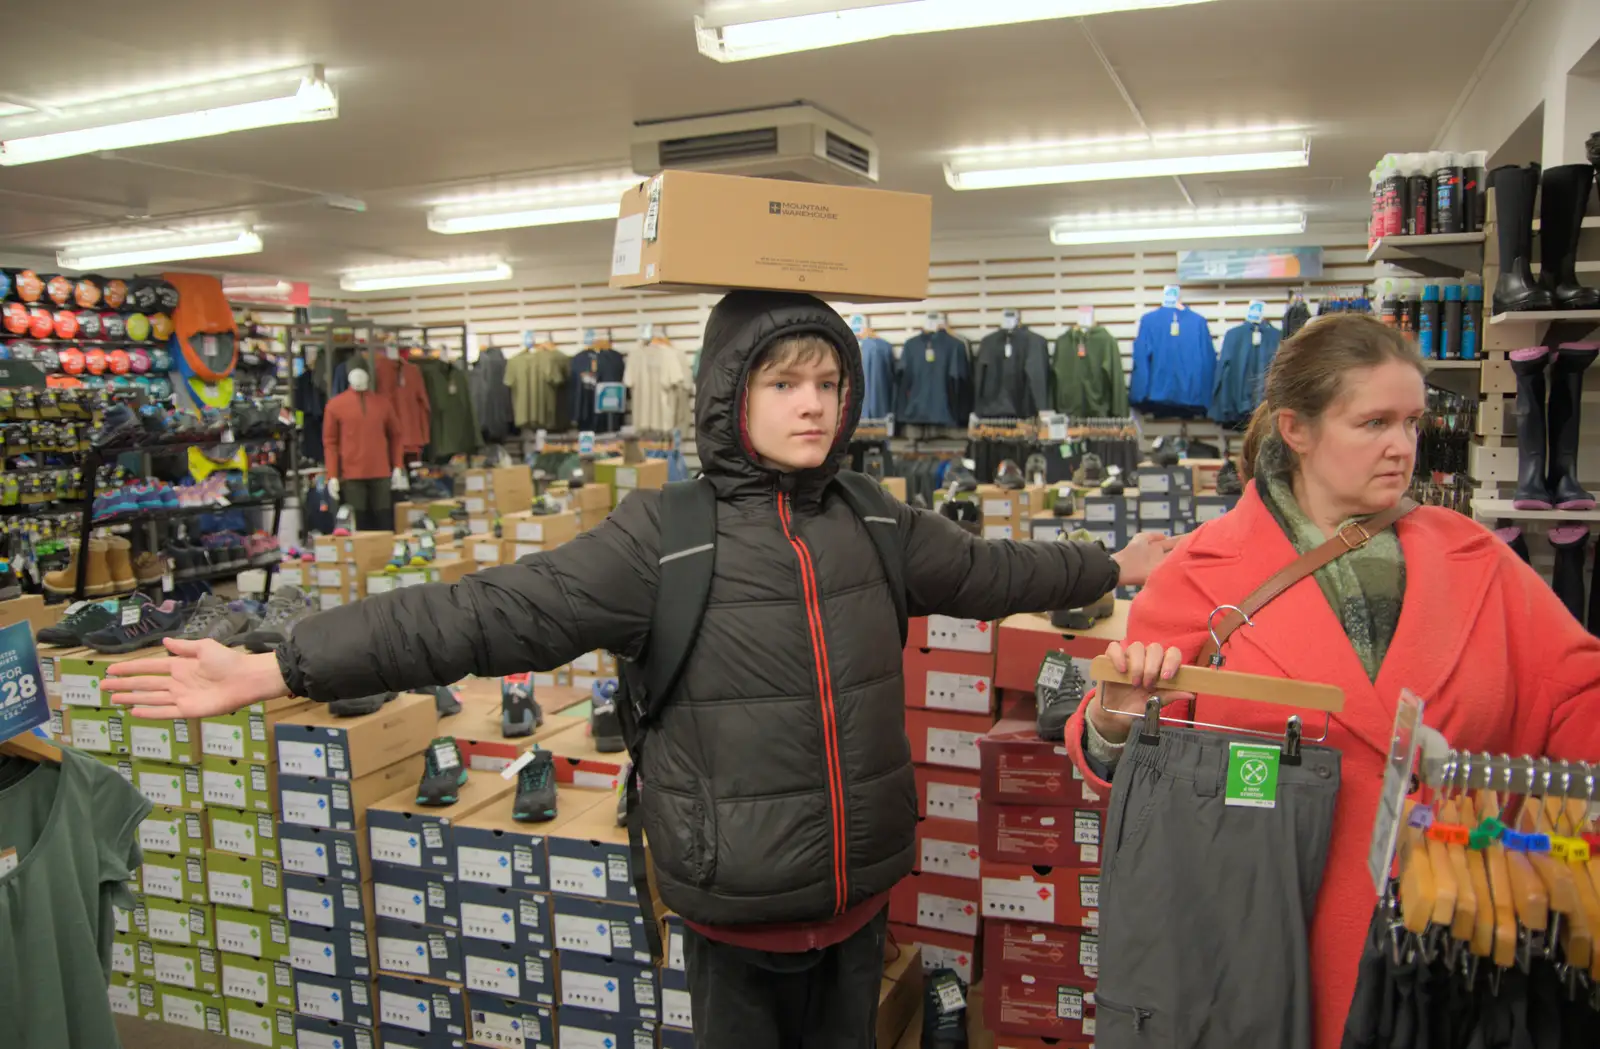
(1147, 666)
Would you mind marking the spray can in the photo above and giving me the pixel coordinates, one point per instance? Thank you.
(1475, 189)
(1428, 323)
(1394, 201)
(1375, 219)
(1447, 196)
(1451, 322)
(1471, 321)
(1419, 190)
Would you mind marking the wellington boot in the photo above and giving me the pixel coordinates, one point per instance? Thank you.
(119, 563)
(97, 583)
(1512, 536)
(1567, 366)
(1514, 190)
(1530, 365)
(1570, 542)
(1562, 203)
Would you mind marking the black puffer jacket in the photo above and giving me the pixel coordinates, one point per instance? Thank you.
(778, 783)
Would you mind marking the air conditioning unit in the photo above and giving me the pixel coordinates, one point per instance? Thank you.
(798, 141)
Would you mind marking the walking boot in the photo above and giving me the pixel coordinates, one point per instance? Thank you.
(1570, 543)
(119, 563)
(1512, 536)
(97, 583)
(1529, 365)
(1562, 203)
(1565, 419)
(1514, 190)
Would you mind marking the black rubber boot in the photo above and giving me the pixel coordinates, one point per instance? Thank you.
(1570, 543)
(1566, 418)
(1529, 366)
(1562, 202)
(1514, 190)
(1512, 536)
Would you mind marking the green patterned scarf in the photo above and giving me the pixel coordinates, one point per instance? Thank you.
(1364, 587)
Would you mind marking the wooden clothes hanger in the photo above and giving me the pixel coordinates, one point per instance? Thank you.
(31, 748)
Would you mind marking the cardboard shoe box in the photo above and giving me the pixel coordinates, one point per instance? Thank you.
(494, 849)
(585, 1027)
(941, 738)
(336, 999)
(261, 936)
(262, 982)
(411, 835)
(589, 857)
(312, 1032)
(1017, 767)
(506, 916)
(947, 847)
(950, 634)
(176, 831)
(936, 901)
(174, 786)
(234, 784)
(677, 1008)
(946, 793)
(960, 682)
(179, 878)
(939, 949)
(196, 1010)
(192, 968)
(176, 742)
(409, 949)
(327, 902)
(1045, 835)
(1036, 1004)
(342, 804)
(507, 971)
(248, 882)
(319, 853)
(368, 551)
(167, 921)
(607, 986)
(246, 734)
(425, 896)
(98, 730)
(543, 531)
(244, 833)
(332, 952)
(1051, 949)
(422, 1006)
(1047, 895)
(600, 927)
(579, 764)
(696, 231)
(259, 1024)
(507, 1024)
(312, 742)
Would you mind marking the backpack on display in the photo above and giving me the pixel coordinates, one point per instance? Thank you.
(688, 558)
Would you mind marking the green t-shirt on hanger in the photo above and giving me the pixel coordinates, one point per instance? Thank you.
(69, 842)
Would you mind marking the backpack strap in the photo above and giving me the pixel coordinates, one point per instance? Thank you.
(870, 502)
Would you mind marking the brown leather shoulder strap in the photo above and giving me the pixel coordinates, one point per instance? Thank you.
(1352, 537)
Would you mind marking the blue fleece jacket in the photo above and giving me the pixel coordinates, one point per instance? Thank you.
(877, 360)
(935, 386)
(1173, 374)
(1241, 370)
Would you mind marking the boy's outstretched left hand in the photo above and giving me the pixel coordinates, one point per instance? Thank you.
(1140, 557)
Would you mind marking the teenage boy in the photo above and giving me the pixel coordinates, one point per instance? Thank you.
(778, 795)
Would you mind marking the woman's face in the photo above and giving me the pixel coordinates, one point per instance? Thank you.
(1360, 453)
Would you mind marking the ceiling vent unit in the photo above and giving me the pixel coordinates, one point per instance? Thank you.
(798, 142)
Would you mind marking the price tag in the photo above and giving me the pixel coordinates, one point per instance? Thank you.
(132, 614)
(951, 1000)
(1069, 1003)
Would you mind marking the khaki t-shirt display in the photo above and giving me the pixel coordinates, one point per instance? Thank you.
(68, 845)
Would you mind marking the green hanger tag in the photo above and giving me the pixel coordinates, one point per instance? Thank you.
(1253, 775)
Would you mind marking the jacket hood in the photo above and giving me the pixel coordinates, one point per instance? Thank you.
(742, 325)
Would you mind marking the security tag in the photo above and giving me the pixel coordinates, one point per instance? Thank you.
(1253, 775)
(1175, 329)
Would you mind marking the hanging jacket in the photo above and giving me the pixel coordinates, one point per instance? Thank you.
(399, 382)
(588, 370)
(1241, 370)
(1505, 669)
(360, 437)
(935, 381)
(877, 362)
(310, 402)
(659, 387)
(780, 785)
(1088, 375)
(453, 425)
(491, 397)
(1173, 374)
(1011, 377)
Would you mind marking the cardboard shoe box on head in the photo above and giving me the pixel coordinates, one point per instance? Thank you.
(312, 742)
(411, 835)
(694, 231)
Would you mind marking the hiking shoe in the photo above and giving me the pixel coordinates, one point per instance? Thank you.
(1090, 471)
(120, 426)
(212, 620)
(1228, 482)
(286, 608)
(445, 700)
(424, 550)
(85, 617)
(1058, 692)
(1066, 504)
(401, 556)
(520, 713)
(944, 1011)
(140, 623)
(444, 775)
(536, 789)
(1009, 476)
(354, 708)
(149, 568)
(605, 725)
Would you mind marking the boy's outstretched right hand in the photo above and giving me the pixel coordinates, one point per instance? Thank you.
(199, 679)
(1141, 556)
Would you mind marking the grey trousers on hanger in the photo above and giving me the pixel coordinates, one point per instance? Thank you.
(1205, 906)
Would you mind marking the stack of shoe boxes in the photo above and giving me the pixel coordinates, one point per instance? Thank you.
(1166, 500)
(447, 567)
(421, 918)
(619, 477)
(330, 770)
(343, 564)
(950, 703)
(478, 728)
(507, 921)
(529, 533)
(1040, 828)
(592, 503)
(1008, 511)
(677, 1013)
(496, 492)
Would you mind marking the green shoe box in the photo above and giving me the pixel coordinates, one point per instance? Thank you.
(258, 981)
(175, 742)
(184, 924)
(249, 882)
(192, 1009)
(192, 968)
(260, 1025)
(121, 764)
(125, 954)
(236, 784)
(175, 831)
(178, 878)
(243, 833)
(98, 730)
(246, 734)
(175, 786)
(123, 993)
(264, 936)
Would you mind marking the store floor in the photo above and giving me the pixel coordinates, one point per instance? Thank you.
(148, 1034)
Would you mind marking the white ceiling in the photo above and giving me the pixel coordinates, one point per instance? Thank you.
(434, 95)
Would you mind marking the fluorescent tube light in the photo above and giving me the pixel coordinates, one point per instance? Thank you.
(425, 275)
(736, 30)
(1100, 160)
(142, 250)
(290, 96)
(587, 201)
(1114, 227)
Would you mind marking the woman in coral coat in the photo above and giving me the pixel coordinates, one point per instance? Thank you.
(1436, 605)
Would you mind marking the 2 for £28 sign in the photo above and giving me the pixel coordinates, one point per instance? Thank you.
(22, 698)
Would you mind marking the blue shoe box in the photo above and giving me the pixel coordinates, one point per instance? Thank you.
(600, 927)
(584, 1027)
(505, 915)
(509, 1024)
(421, 1007)
(321, 853)
(399, 1038)
(331, 952)
(407, 834)
(328, 902)
(676, 1010)
(509, 971)
(425, 897)
(672, 1038)
(607, 986)
(672, 943)
(337, 999)
(419, 950)
(589, 857)
(312, 1033)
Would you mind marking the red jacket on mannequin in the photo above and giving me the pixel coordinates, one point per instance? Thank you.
(361, 437)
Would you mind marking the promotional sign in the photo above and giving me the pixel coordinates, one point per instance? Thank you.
(1257, 310)
(22, 698)
(610, 397)
(1249, 264)
(586, 442)
(858, 324)
(1171, 295)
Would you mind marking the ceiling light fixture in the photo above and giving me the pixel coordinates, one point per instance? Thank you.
(549, 205)
(736, 30)
(1122, 227)
(1131, 157)
(287, 96)
(144, 249)
(425, 275)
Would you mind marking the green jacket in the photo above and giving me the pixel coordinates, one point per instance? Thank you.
(1088, 375)
(453, 424)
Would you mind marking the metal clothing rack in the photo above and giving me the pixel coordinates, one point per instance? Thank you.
(1527, 776)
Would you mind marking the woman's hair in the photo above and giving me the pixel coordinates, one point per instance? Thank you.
(1309, 369)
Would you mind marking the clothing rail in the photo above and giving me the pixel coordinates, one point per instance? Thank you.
(1530, 777)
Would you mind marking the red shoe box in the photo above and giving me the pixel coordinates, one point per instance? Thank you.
(1046, 835)
(1013, 1041)
(1023, 641)
(1073, 954)
(956, 681)
(947, 847)
(950, 740)
(950, 794)
(936, 901)
(940, 949)
(951, 635)
(1048, 895)
(1035, 1004)
(1016, 766)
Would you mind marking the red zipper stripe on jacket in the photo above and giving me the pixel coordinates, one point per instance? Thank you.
(813, 608)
